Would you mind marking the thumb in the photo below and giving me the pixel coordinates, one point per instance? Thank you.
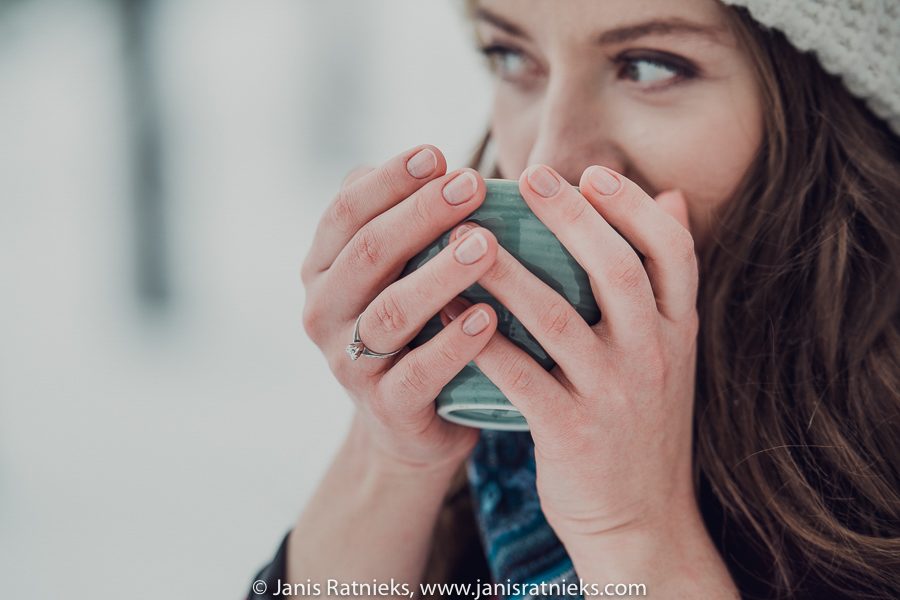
(673, 203)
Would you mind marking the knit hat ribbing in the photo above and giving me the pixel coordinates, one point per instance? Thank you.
(857, 40)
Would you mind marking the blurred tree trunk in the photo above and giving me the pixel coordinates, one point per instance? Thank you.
(148, 193)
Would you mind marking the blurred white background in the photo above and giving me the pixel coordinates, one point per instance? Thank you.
(163, 164)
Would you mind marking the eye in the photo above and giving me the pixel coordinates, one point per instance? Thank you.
(508, 63)
(645, 71)
(655, 69)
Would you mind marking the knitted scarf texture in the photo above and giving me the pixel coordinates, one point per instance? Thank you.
(520, 545)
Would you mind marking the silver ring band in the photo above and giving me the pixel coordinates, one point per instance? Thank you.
(357, 348)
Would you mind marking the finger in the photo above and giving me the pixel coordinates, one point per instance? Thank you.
(376, 254)
(667, 246)
(618, 279)
(549, 317)
(356, 173)
(402, 309)
(453, 309)
(368, 195)
(416, 379)
(673, 203)
(528, 386)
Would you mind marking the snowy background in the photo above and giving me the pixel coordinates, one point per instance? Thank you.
(163, 164)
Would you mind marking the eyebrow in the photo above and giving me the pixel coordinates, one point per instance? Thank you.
(614, 36)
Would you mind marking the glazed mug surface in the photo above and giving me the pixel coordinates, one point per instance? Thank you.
(471, 398)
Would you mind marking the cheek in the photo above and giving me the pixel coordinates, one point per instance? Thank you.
(703, 146)
(704, 153)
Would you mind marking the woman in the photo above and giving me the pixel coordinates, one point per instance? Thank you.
(731, 426)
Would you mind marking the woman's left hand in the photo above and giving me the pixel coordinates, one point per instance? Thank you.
(611, 421)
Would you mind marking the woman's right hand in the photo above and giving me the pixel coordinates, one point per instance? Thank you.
(380, 219)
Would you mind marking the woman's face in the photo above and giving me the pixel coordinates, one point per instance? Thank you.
(656, 89)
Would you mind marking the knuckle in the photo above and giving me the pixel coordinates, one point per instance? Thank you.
(307, 272)
(387, 181)
(355, 173)
(389, 314)
(343, 211)
(555, 319)
(415, 377)
(313, 319)
(521, 381)
(421, 212)
(627, 274)
(501, 271)
(448, 354)
(573, 211)
(514, 371)
(366, 248)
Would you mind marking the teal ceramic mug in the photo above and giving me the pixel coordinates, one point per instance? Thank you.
(471, 398)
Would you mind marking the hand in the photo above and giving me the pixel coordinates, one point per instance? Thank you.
(380, 219)
(611, 421)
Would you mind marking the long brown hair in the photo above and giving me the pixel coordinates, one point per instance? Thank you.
(797, 408)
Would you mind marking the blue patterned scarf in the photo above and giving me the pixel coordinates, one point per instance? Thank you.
(521, 546)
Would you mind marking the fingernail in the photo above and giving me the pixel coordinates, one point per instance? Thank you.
(422, 164)
(542, 181)
(604, 181)
(461, 188)
(462, 229)
(454, 309)
(476, 322)
(471, 248)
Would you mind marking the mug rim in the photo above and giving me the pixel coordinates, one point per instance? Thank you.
(513, 183)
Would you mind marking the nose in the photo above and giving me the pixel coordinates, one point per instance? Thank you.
(574, 131)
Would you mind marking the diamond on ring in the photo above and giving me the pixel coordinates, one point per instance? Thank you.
(356, 348)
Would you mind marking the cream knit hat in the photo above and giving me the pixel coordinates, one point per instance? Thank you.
(857, 40)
